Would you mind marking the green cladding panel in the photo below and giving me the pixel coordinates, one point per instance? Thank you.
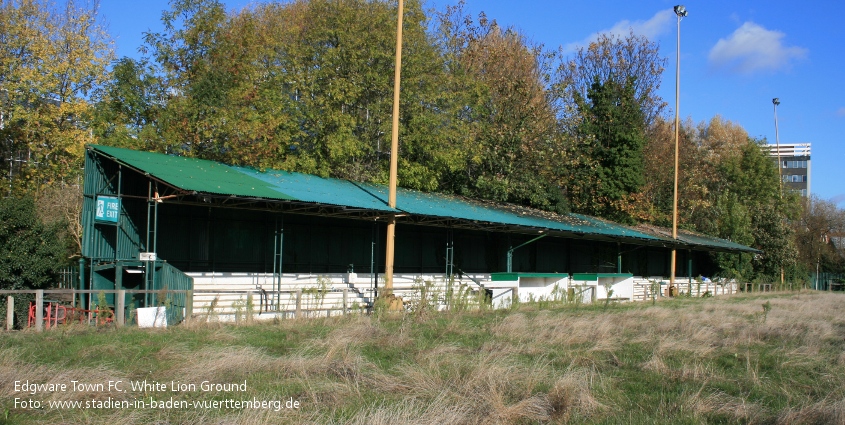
(112, 226)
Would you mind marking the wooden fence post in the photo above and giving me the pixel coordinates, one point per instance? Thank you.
(120, 307)
(10, 312)
(250, 301)
(39, 310)
(345, 300)
(189, 306)
(297, 314)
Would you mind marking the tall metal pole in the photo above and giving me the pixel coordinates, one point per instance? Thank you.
(394, 158)
(681, 12)
(775, 103)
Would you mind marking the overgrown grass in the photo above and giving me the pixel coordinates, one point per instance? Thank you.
(776, 358)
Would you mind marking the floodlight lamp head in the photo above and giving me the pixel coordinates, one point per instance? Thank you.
(681, 11)
(776, 101)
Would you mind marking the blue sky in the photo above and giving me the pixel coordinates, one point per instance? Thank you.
(735, 57)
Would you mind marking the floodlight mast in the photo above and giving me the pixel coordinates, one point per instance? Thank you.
(681, 11)
(776, 102)
(394, 158)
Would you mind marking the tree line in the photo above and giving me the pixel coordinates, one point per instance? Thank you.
(306, 85)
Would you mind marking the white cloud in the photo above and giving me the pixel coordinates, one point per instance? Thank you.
(658, 24)
(752, 48)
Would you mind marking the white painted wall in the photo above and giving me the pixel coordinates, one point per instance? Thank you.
(231, 288)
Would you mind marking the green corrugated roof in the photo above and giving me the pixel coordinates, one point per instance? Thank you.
(710, 241)
(195, 174)
(202, 176)
(695, 240)
(320, 190)
(440, 205)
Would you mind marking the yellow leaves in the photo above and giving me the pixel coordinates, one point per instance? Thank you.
(722, 137)
(55, 57)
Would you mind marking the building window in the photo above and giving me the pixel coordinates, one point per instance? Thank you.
(794, 164)
(794, 178)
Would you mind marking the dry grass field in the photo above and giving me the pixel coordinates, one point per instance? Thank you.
(773, 359)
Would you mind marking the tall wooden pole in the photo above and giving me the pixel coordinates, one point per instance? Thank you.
(394, 159)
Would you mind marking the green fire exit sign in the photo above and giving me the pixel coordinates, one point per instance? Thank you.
(107, 210)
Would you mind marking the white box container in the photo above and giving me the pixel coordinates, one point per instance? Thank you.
(152, 317)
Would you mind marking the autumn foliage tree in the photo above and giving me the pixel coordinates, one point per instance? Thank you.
(503, 114)
(51, 58)
(297, 86)
(818, 228)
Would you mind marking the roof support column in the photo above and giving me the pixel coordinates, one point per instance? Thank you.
(155, 248)
(373, 280)
(618, 257)
(149, 269)
(689, 266)
(512, 249)
(278, 256)
(450, 253)
(119, 213)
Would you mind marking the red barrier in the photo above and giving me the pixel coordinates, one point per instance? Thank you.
(55, 314)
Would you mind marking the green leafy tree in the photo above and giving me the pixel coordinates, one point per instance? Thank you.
(129, 107)
(612, 132)
(31, 253)
(733, 222)
(752, 177)
(634, 63)
(187, 52)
